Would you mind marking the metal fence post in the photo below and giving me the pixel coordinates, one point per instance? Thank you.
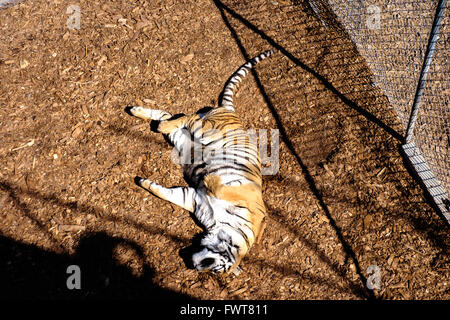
(411, 152)
(425, 68)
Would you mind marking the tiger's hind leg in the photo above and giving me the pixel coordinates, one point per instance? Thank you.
(172, 127)
(168, 126)
(148, 114)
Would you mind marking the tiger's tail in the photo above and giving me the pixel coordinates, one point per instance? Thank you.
(226, 100)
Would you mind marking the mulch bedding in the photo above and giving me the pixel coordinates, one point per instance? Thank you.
(341, 202)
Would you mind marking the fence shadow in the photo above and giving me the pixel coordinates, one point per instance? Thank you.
(362, 290)
(14, 193)
(28, 272)
(328, 85)
(371, 122)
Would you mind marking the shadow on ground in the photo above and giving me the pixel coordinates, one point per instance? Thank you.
(27, 271)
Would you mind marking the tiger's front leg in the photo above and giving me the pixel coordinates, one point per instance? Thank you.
(180, 196)
(163, 122)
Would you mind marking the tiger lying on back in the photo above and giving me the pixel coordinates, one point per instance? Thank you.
(225, 186)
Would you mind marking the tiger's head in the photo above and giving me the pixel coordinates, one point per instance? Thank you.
(238, 222)
(218, 252)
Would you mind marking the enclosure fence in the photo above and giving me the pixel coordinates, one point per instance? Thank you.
(405, 45)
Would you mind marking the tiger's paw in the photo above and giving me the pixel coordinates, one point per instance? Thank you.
(147, 114)
(143, 183)
(138, 112)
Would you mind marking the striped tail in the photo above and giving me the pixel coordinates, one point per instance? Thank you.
(232, 83)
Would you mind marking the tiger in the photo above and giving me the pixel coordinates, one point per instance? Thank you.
(225, 184)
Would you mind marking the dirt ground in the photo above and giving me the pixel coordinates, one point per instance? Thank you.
(341, 202)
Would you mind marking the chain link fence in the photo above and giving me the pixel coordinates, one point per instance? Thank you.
(406, 46)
